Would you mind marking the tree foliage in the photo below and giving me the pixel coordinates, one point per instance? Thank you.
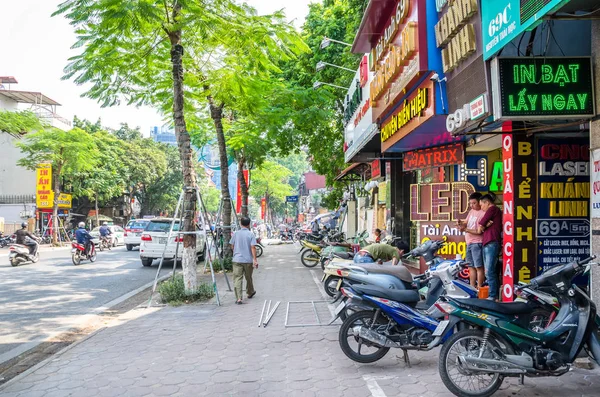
(19, 123)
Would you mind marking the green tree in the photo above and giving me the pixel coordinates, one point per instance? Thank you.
(128, 134)
(19, 123)
(271, 180)
(135, 50)
(161, 193)
(70, 153)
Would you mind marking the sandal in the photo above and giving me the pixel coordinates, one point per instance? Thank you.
(252, 295)
(239, 302)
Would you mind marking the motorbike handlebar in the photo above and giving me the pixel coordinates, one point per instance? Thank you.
(586, 261)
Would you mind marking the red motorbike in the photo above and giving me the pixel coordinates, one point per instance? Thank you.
(78, 253)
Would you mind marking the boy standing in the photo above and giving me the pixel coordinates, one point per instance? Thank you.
(474, 240)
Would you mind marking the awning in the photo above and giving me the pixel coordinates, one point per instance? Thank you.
(36, 98)
(356, 169)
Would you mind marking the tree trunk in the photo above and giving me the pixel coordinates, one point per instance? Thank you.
(97, 214)
(243, 186)
(189, 261)
(55, 205)
(216, 113)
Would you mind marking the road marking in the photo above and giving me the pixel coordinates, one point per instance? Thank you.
(373, 386)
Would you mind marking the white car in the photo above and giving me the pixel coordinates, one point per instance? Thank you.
(117, 235)
(133, 232)
(154, 238)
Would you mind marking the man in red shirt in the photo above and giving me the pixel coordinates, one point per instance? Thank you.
(491, 227)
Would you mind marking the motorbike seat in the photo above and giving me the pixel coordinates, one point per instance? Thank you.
(504, 308)
(398, 271)
(403, 296)
(344, 255)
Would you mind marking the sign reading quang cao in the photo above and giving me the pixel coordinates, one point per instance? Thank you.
(538, 88)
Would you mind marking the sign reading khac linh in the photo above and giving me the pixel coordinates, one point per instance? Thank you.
(530, 88)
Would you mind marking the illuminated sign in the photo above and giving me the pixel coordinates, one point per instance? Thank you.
(535, 88)
(396, 21)
(434, 157)
(595, 180)
(44, 195)
(442, 202)
(508, 219)
(564, 201)
(454, 35)
(411, 110)
(503, 20)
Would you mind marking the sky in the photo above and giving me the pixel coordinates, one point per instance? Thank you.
(34, 48)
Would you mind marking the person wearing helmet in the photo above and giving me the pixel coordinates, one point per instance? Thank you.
(105, 231)
(21, 238)
(83, 237)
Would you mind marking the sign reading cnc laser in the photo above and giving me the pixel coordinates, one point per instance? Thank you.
(530, 88)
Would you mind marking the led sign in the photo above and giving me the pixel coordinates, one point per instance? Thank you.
(396, 20)
(538, 88)
(434, 157)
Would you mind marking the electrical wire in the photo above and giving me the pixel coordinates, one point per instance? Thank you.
(577, 15)
(556, 42)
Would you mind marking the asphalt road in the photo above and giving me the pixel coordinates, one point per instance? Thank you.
(40, 300)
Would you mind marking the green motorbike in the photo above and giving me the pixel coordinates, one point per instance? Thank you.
(497, 342)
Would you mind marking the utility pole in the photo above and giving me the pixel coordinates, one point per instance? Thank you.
(595, 144)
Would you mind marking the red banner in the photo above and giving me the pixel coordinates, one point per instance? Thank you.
(238, 201)
(508, 218)
(434, 157)
(375, 169)
(263, 207)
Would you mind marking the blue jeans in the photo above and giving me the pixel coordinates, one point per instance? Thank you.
(490, 260)
(358, 258)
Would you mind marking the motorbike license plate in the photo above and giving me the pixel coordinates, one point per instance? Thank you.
(339, 285)
(439, 330)
(340, 307)
(162, 240)
(73, 251)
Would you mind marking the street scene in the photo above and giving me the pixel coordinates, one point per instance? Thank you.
(322, 198)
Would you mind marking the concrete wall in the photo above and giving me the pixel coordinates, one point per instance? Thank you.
(14, 180)
(11, 212)
(8, 104)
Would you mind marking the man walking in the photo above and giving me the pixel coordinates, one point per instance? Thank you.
(243, 244)
(474, 240)
(491, 227)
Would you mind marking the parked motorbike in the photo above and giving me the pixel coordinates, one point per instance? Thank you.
(499, 343)
(311, 252)
(19, 254)
(105, 242)
(78, 253)
(6, 240)
(259, 247)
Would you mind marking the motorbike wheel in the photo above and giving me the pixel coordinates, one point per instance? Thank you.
(458, 379)
(259, 251)
(348, 341)
(101, 245)
(93, 256)
(35, 258)
(14, 262)
(76, 259)
(331, 291)
(309, 258)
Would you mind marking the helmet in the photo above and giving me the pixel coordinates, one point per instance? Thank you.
(23, 225)
(104, 224)
(81, 224)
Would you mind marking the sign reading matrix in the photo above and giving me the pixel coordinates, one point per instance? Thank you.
(530, 88)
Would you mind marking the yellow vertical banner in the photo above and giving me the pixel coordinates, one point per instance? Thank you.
(44, 196)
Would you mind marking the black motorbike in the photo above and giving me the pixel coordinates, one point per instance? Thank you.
(6, 240)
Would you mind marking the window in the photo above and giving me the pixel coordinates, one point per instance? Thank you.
(161, 226)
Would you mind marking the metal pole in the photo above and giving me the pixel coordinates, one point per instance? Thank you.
(262, 313)
(162, 258)
(212, 270)
(177, 238)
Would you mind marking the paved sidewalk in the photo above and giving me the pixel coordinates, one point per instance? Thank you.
(203, 350)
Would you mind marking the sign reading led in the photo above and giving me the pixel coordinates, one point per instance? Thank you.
(534, 88)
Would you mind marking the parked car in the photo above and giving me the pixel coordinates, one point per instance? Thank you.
(154, 238)
(133, 232)
(117, 237)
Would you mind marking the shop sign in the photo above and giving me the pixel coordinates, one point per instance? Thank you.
(533, 88)
(263, 207)
(44, 196)
(394, 58)
(503, 20)
(238, 201)
(508, 218)
(563, 227)
(65, 200)
(358, 115)
(470, 111)
(382, 192)
(595, 193)
(475, 171)
(478, 107)
(409, 114)
(434, 157)
(353, 101)
(437, 207)
(291, 199)
(375, 169)
(454, 36)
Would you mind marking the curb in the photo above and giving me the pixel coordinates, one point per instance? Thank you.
(45, 362)
(93, 312)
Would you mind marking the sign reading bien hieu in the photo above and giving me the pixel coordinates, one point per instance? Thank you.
(539, 88)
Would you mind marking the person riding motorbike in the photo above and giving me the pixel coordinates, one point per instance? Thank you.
(84, 237)
(21, 239)
(105, 231)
